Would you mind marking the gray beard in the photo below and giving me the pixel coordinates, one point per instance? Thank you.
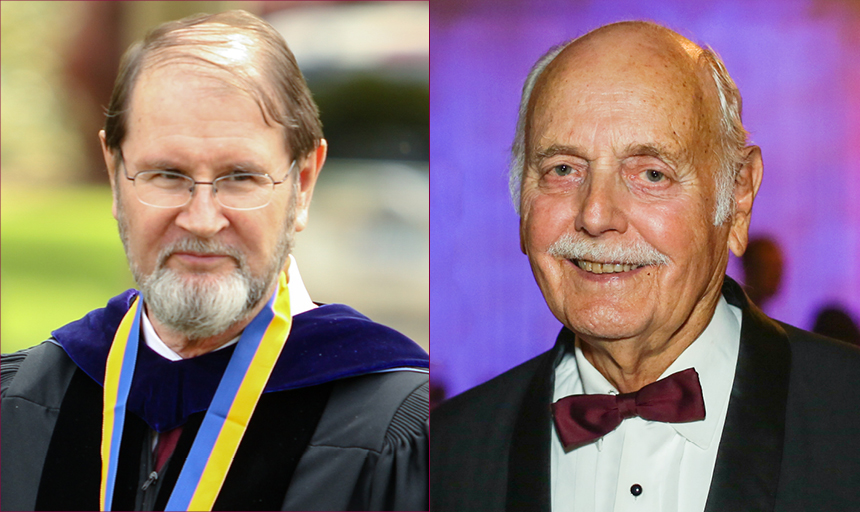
(200, 306)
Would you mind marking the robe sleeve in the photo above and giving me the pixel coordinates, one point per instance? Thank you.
(9, 365)
(397, 479)
(370, 448)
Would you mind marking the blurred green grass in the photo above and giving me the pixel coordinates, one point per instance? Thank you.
(60, 257)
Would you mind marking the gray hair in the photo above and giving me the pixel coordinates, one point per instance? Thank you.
(271, 76)
(731, 133)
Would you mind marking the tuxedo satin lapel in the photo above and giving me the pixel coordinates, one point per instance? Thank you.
(528, 467)
(747, 469)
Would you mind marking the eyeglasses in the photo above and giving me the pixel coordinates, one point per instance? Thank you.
(236, 191)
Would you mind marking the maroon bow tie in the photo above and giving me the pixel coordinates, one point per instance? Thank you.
(580, 419)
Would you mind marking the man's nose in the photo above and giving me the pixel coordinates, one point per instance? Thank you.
(203, 215)
(599, 208)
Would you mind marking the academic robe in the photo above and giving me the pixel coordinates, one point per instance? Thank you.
(342, 425)
(791, 440)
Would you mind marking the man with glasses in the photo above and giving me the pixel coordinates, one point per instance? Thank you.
(220, 384)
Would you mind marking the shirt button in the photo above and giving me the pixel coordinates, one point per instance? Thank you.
(635, 489)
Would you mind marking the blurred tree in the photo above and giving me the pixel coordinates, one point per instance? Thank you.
(40, 137)
(106, 30)
(366, 116)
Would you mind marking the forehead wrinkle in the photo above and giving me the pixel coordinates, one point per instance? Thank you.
(655, 53)
(202, 74)
(232, 63)
(153, 108)
(624, 138)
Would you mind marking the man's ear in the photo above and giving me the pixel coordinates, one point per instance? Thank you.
(747, 184)
(522, 236)
(110, 163)
(307, 176)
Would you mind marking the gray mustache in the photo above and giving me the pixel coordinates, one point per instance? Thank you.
(636, 252)
(200, 246)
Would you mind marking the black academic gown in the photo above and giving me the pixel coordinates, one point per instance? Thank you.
(355, 439)
(790, 441)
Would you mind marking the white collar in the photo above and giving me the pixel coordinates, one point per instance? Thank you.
(300, 301)
(713, 354)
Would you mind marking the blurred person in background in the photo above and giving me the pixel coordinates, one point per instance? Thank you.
(220, 384)
(763, 266)
(835, 322)
(437, 394)
(667, 388)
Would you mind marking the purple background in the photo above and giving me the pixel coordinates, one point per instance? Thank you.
(797, 64)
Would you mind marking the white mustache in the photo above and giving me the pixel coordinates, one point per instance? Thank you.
(637, 252)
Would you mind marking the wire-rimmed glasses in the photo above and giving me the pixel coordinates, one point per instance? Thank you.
(236, 191)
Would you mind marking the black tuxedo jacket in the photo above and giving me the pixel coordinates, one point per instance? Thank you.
(791, 440)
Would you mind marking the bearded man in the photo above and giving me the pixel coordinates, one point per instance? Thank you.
(667, 389)
(220, 385)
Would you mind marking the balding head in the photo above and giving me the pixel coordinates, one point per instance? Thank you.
(642, 54)
(235, 48)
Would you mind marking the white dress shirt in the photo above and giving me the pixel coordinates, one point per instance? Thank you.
(300, 301)
(671, 463)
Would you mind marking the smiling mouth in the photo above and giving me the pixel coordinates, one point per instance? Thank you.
(605, 268)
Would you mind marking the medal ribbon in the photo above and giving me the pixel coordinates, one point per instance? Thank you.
(118, 373)
(227, 418)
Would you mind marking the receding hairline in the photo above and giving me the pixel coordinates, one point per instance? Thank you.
(681, 55)
(235, 48)
(215, 50)
(184, 62)
(667, 39)
(637, 27)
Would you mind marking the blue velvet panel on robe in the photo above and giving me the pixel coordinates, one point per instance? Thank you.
(327, 343)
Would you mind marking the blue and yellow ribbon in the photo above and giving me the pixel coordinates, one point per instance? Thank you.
(118, 374)
(227, 418)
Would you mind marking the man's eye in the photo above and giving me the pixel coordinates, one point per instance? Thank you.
(246, 178)
(562, 170)
(239, 177)
(654, 176)
(161, 176)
